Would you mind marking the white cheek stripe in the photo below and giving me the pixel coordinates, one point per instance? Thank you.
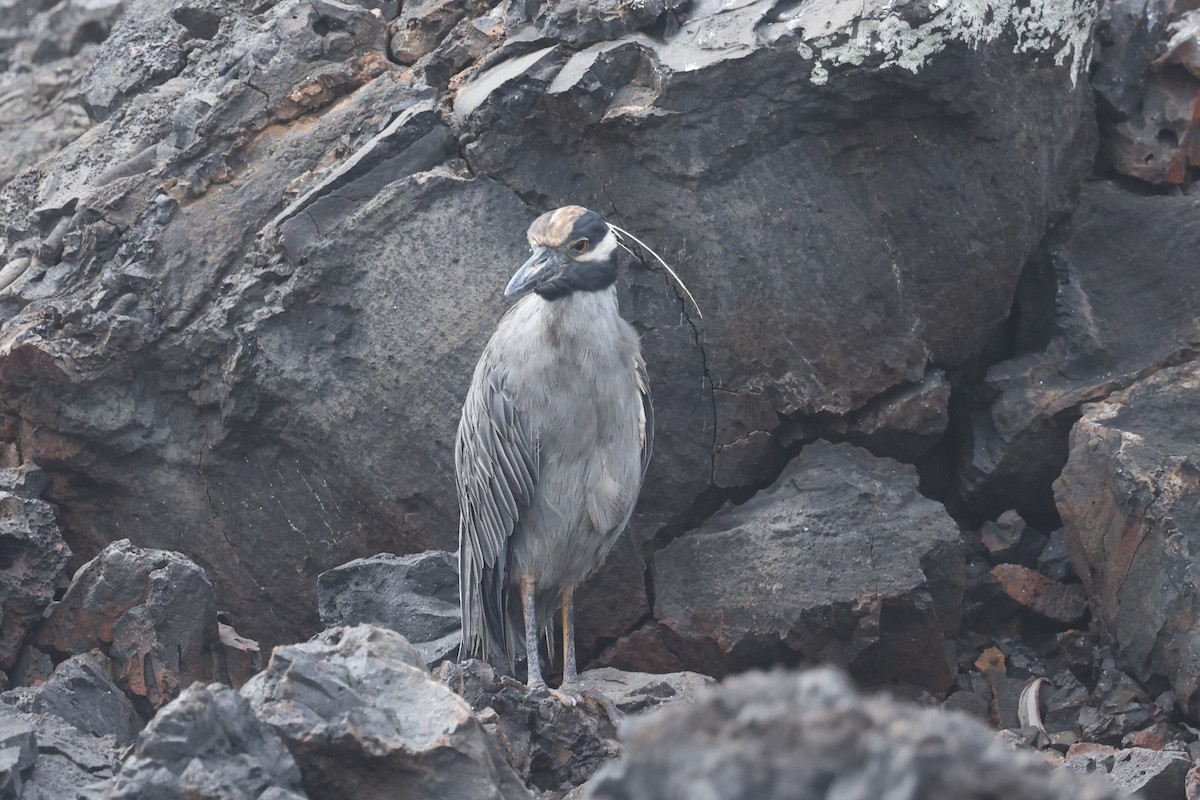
(600, 250)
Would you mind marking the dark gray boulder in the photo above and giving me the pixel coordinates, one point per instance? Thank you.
(365, 719)
(1130, 503)
(1111, 325)
(414, 595)
(32, 561)
(44, 758)
(81, 692)
(808, 736)
(841, 561)
(205, 743)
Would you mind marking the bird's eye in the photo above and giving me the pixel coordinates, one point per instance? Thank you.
(580, 245)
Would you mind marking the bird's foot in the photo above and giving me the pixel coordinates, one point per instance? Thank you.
(565, 695)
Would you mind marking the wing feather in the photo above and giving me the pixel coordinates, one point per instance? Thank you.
(497, 469)
(646, 418)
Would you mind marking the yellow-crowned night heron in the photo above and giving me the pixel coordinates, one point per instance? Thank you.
(553, 444)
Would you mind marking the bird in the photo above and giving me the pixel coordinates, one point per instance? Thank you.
(552, 447)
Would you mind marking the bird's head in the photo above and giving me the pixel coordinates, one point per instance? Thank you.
(574, 250)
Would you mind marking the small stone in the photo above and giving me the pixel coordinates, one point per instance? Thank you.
(1054, 561)
(1009, 538)
(1154, 737)
(242, 657)
(1191, 784)
(1057, 602)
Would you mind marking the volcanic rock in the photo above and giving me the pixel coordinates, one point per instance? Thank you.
(553, 746)
(1130, 503)
(1051, 600)
(205, 743)
(633, 692)
(44, 50)
(1010, 539)
(44, 758)
(840, 561)
(81, 692)
(32, 560)
(1112, 325)
(905, 422)
(1154, 773)
(414, 595)
(152, 612)
(364, 719)
(780, 735)
(242, 310)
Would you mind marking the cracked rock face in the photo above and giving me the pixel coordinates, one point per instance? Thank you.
(241, 310)
(841, 561)
(1130, 502)
(1111, 326)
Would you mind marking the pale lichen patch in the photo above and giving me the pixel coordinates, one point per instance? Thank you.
(1060, 28)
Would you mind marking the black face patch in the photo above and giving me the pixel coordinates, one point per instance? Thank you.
(590, 226)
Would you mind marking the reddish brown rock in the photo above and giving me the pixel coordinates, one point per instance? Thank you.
(1130, 503)
(1058, 602)
(151, 611)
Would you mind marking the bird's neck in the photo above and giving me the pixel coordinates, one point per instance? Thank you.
(579, 316)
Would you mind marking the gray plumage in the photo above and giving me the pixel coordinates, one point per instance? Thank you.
(555, 437)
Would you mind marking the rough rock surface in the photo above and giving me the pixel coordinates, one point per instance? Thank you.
(241, 310)
(841, 561)
(1146, 72)
(152, 612)
(44, 50)
(551, 745)
(81, 692)
(1112, 325)
(364, 719)
(32, 558)
(414, 595)
(205, 743)
(785, 735)
(44, 758)
(1130, 502)
(1152, 773)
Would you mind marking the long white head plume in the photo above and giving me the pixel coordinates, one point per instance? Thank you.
(666, 266)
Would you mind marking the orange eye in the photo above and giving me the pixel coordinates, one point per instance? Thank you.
(580, 245)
